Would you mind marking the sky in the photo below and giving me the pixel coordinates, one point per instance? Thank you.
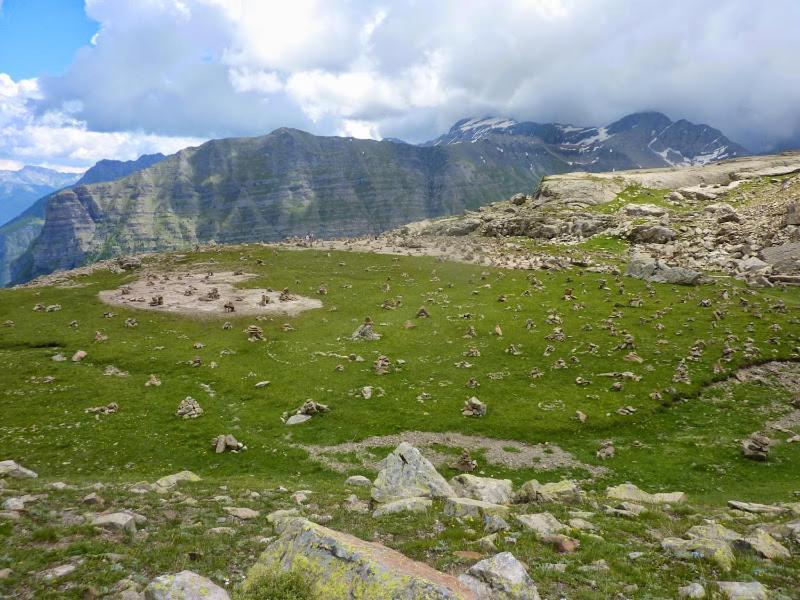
(85, 80)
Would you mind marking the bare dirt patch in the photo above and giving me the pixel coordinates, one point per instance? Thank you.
(506, 453)
(206, 294)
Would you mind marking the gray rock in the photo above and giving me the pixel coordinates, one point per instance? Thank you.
(185, 585)
(541, 523)
(467, 508)
(57, 572)
(407, 474)
(486, 489)
(344, 566)
(241, 512)
(628, 491)
(9, 468)
(693, 590)
(357, 481)
(559, 491)
(642, 266)
(414, 505)
(171, 481)
(644, 210)
(764, 545)
(651, 234)
(297, 419)
(739, 590)
(120, 521)
(501, 577)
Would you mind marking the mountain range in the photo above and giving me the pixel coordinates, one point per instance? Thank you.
(19, 189)
(291, 183)
(17, 234)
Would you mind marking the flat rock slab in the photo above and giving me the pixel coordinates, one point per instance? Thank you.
(9, 468)
(628, 491)
(185, 585)
(759, 509)
(467, 508)
(414, 505)
(171, 287)
(541, 523)
(713, 549)
(342, 567)
(172, 480)
(486, 489)
(241, 512)
(740, 590)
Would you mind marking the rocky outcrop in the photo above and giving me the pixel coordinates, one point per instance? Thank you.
(646, 267)
(17, 235)
(628, 491)
(341, 566)
(185, 585)
(405, 473)
(501, 577)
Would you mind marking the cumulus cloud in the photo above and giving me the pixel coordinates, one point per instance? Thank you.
(161, 71)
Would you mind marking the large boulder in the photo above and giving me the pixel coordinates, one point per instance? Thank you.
(557, 491)
(643, 266)
(342, 567)
(414, 505)
(468, 508)
(185, 585)
(486, 489)
(501, 577)
(407, 474)
(170, 481)
(713, 549)
(9, 468)
(542, 524)
(743, 590)
(651, 234)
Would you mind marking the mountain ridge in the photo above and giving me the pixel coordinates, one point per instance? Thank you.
(290, 183)
(694, 144)
(17, 234)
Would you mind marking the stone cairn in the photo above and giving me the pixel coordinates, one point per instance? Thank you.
(189, 408)
(366, 332)
(254, 333)
(756, 447)
(474, 408)
(226, 443)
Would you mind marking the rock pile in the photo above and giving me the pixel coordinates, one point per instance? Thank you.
(189, 408)
(756, 447)
(226, 443)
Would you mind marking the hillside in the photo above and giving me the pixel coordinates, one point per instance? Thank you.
(561, 379)
(290, 183)
(17, 234)
(587, 391)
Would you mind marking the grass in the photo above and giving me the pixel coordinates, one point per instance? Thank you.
(634, 194)
(687, 440)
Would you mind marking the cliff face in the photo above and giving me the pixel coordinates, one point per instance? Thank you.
(17, 235)
(284, 184)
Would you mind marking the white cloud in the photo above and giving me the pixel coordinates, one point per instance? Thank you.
(57, 139)
(161, 73)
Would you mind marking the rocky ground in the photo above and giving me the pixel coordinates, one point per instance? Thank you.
(738, 217)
